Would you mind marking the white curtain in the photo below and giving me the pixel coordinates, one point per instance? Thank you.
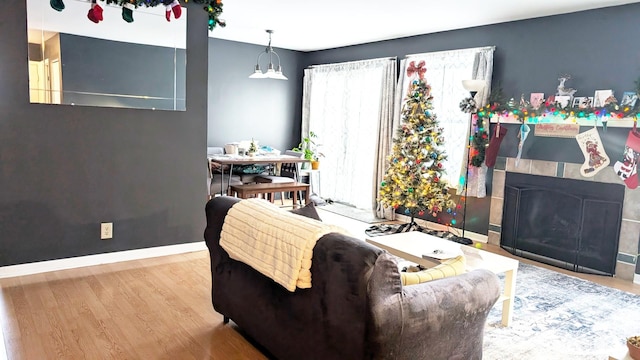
(477, 176)
(445, 72)
(347, 105)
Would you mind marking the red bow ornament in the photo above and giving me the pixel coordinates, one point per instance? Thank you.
(419, 69)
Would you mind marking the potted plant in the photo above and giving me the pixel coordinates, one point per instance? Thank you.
(309, 148)
(633, 343)
(253, 148)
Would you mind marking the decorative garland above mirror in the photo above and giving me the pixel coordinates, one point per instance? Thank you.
(212, 7)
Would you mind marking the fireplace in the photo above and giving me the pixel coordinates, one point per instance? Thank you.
(563, 222)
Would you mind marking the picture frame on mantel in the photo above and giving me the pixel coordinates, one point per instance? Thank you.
(563, 100)
(582, 102)
(629, 98)
(536, 99)
(600, 97)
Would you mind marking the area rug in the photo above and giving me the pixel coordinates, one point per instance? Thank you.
(352, 212)
(557, 316)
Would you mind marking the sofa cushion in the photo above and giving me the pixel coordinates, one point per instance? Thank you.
(451, 267)
(309, 211)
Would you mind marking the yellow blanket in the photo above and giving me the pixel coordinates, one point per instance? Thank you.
(277, 243)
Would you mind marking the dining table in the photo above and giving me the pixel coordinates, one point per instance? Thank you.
(266, 159)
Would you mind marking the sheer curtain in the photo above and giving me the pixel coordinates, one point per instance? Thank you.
(476, 181)
(445, 72)
(349, 105)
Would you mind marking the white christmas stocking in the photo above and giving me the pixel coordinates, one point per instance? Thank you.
(524, 132)
(595, 159)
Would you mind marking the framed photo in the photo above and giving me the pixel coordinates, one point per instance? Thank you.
(536, 99)
(600, 97)
(587, 103)
(551, 99)
(629, 98)
(563, 100)
(577, 101)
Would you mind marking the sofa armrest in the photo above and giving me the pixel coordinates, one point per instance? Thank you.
(441, 319)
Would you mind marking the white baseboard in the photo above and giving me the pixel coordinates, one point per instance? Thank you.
(636, 279)
(431, 225)
(90, 260)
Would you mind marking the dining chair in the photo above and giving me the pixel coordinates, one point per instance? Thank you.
(289, 173)
(217, 180)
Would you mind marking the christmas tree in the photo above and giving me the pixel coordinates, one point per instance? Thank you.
(414, 177)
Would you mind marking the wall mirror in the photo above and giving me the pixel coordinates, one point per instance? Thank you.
(112, 63)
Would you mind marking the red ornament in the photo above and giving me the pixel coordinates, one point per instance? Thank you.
(440, 165)
(435, 179)
(418, 161)
(420, 212)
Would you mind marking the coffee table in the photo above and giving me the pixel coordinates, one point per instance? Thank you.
(428, 250)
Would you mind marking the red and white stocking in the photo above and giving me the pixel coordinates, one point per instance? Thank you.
(173, 6)
(95, 13)
(595, 159)
(627, 169)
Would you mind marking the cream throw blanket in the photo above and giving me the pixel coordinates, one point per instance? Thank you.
(277, 243)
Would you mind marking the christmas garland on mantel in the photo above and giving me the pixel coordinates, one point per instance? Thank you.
(212, 7)
(524, 112)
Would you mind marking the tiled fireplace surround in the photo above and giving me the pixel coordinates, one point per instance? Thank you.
(627, 266)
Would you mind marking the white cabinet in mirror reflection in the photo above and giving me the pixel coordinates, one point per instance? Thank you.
(113, 63)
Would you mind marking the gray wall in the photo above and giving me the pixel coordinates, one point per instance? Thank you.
(241, 108)
(64, 169)
(598, 48)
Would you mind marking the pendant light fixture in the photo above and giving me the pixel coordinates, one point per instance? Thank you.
(272, 72)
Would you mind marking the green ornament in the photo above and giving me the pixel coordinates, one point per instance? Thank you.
(384, 183)
(410, 190)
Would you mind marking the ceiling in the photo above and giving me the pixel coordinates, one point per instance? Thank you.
(305, 25)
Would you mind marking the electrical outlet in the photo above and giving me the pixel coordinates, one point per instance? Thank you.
(106, 231)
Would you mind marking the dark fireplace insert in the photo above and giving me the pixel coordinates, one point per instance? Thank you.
(567, 223)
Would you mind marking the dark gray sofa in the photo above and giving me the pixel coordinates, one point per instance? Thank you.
(356, 307)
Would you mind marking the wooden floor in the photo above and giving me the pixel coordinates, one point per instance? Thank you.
(158, 308)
